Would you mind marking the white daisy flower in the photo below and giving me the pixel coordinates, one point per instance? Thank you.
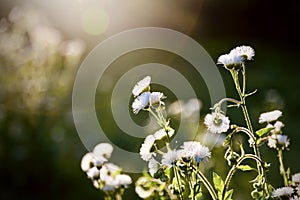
(216, 122)
(230, 60)
(145, 150)
(86, 162)
(284, 191)
(269, 116)
(93, 173)
(123, 180)
(170, 158)
(142, 187)
(140, 102)
(108, 172)
(141, 86)
(155, 98)
(162, 133)
(194, 150)
(243, 51)
(272, 141)
(296, 178)
(153, 166)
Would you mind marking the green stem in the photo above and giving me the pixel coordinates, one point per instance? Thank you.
(179, 184)
(282, 168)
(233, 170)
(207, 184)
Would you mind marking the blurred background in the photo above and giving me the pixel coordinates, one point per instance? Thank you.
(42, 44)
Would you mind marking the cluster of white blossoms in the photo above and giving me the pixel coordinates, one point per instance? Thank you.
(236, 57)
(292, 191)
(104, 175)
(276, 139)
(143, 97)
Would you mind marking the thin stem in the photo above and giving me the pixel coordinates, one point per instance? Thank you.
(179, 184)
(282, 168)
(207, 184)
(226, 99)
(233, 170)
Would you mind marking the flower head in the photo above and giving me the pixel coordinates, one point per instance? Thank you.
(269, 116)
(145, 150)
(277, 140)
(230, 61)
(170, 158)
(296, 178)
(141, 86)
(155, 98)
(246, 52)
(153, 166)
(195, 151)
(140, 102)
(216, 122)
(284, 191)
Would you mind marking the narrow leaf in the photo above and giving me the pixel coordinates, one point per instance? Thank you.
(218, 182)
(245, 168)
(228, 195)
(263, 131)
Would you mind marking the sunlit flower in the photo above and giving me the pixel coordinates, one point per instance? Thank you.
(153, 166)
(123, 180)
(296, 178)
(216, 122)
(246, 52)
(284, 191)
(93, 173)
(269, 116)
(86, 162)
(281, 140)
(108, 173)
(230, 61)
(145, 150)
(140, 102)
(161, 133)
(103, 150)
(141, 86)
(155, 98)
(194, 150)
(170, 158)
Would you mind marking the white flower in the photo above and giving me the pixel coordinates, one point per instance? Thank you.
(145, 150)
(275, 139)
(162, 133)
(86, 161)
(170, 158)
(96, 183)
(123, 179)
(153, 166)
(243, 51)
(284, 191)
(269, 116)
(108, 172)
(194, 150)
(103, 150)
(140, 102)
(216, 122)
(141, 86)
(295, 198)
(296, 178)
(278, 126)
(155, 97)
(142, 187)
(230, 60)
(93, 173)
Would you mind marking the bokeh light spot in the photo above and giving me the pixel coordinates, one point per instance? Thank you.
(94, 21)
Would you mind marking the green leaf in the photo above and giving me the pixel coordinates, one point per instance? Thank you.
(218, 182)
(228, 195)
(263, 131)
(245, 168)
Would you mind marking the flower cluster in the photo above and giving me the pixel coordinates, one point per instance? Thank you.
(292, 191)
(104, 175)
